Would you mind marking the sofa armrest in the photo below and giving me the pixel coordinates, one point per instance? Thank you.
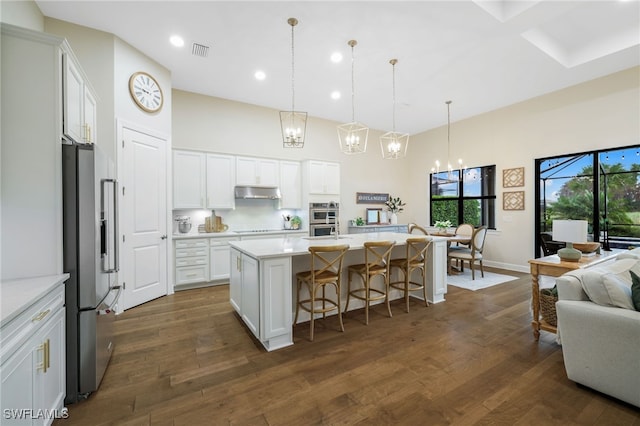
(570, 287)
(600, 346)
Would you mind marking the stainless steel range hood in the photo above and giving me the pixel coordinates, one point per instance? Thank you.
(258, 192)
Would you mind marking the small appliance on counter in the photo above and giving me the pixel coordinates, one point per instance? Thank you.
(214, 223)
(184, 224)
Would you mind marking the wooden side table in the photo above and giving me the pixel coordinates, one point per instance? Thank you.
(554, 266)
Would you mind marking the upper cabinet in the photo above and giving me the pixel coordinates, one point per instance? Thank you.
(290, 185)
(257, 171)
(79, 112)
(323, 177)
(221, 170)
(203, 180)
(189, 180)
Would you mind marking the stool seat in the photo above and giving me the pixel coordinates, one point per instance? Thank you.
(376, 263)
(326, 268)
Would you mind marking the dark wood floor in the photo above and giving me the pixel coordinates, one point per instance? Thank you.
(186, 359)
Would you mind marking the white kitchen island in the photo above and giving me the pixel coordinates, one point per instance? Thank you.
(262, 283)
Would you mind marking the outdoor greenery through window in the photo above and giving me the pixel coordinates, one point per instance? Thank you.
(471, 199)
(600, 187)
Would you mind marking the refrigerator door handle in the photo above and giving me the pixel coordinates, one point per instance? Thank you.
(104, 224)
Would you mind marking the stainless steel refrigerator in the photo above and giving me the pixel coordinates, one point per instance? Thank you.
(91, 259)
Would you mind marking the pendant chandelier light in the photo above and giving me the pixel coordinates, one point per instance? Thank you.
(449, 166)
(293, 123)
(393, 144)
(352, 136)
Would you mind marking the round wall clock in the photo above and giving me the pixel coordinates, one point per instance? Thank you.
(146, 92)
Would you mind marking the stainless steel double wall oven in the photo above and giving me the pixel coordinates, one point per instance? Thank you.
(323, 218)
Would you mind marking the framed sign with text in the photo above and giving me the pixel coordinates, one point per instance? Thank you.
(371, 198)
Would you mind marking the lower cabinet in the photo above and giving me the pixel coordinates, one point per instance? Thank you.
(219, 258)
(401, 229)
(192, 261)
(33, 364)
(260, 291)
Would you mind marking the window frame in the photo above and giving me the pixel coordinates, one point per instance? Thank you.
(487, 214)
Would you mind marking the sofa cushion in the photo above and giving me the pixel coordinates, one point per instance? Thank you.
(635, 290)
(608, 289)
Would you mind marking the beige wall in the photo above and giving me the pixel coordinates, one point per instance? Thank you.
(594, 115)
(598, 114)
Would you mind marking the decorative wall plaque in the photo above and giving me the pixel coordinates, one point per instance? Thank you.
(513, 177)
(513, 200)
(371, 198)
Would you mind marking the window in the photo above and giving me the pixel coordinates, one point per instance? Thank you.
(601, 187)
(471, 199)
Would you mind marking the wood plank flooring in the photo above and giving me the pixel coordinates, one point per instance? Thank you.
(186, 359)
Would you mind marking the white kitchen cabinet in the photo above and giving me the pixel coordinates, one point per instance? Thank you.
(290, 185)
(257, 171)
(221, 171)
(323, 177)
(189, 179)
(266, 309)
(191, 261)
(33, 362)
(220, 258)
(79, 119)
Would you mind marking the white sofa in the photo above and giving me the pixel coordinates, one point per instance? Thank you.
(600, 343)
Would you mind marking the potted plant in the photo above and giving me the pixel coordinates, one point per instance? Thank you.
(296, 221)
(395, 206)
(442, 226)
(359, 221)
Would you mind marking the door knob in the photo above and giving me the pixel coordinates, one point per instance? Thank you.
(164, 237)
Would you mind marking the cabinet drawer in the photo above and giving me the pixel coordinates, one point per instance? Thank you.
(191, 261)
(216, 242)
(192, 274)
(17, 331)
(181, 244)
(192, 252)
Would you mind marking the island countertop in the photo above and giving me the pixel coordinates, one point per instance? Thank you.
(296, 245)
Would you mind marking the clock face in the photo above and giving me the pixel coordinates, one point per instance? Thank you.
(146, 92)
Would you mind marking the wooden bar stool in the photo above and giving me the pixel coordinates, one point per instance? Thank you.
(416, 259)
(326, 265)
(376, 263)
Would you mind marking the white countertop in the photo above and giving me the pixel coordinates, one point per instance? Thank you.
(237, 234)
(17, 295)
(293, 246)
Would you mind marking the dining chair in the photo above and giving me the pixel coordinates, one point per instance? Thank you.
(377, 263)
(465, 229)
(417, 228)
(326, 268)
(472, 254)
(415, 260)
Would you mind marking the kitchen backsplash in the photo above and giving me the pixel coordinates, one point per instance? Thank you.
(248, 214)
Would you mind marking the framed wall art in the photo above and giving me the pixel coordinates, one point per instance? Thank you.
(512, 178)
(513, 200)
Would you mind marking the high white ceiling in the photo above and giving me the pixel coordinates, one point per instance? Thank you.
(482, 55)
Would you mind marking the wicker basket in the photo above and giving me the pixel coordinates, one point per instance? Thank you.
(548, 307)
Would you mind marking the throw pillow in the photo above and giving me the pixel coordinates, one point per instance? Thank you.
(635, 290)
(607, 290)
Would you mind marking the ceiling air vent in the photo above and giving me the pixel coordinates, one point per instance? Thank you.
(201, 50)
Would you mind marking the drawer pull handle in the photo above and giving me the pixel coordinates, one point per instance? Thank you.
(40, 316)
(192, 275)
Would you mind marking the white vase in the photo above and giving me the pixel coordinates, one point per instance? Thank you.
(394, 218)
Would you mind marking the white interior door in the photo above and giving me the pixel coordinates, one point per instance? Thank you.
(143, 216)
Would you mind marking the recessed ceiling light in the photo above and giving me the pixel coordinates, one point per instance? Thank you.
(335, 95)
(176, 40)
(260, 75)
(336, 57)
